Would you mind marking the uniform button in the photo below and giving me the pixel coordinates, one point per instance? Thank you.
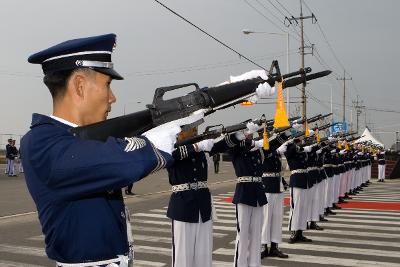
(194, 169)
(195, 179)
(252, 157)
(193, 160)
(122, 214)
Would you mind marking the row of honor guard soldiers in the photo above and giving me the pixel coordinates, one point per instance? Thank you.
(76, 184)
(322, 175)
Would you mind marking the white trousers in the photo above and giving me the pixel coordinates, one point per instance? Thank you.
(272, 222)
(336, 187)
(343, 184)
(298, 209)
(381, 172)
(11, 167)
(248, 239)
(314, 204)
(192, 244)
(321, 194)
(328, 192)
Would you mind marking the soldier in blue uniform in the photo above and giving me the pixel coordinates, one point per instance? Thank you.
(299, 183)
(76, 184)
(274, 186)
(11, 154)
(381, 165)
(249, 198)
(190, 205)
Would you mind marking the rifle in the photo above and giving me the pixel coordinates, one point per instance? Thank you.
(215, 131)
(162, 111)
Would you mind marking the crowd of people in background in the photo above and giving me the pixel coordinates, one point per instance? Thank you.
(13, 156)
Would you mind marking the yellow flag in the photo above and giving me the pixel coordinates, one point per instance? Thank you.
(317, 137)
(346, 146)
(265, 139)
(281, 118)
(306, 130)
(339, 145)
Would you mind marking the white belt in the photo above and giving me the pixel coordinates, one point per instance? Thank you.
(121, 261)
(312, 168)
(249, 179)
(189, 186)
(271, 174)
(299, 171)
(348, 162)
(341, 165)
(321, 168)
(327, 165)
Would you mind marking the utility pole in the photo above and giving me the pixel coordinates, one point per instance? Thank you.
(344, 93)
(302, 18)
(358, 105)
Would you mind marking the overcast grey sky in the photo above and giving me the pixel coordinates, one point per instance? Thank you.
(155, 49)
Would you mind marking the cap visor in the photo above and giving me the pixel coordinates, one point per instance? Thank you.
(110, 72)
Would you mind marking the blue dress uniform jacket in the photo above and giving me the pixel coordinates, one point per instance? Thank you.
(312, 162)
(272, 164)
(297, 159)
(11, 152)
(328, 162)
(381, 158)
(76, 188)
(248, 163)
(191, 167)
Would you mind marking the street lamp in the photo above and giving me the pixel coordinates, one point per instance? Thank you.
(247, 31)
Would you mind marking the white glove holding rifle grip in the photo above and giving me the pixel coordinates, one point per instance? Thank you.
(164, 136)
(252, 127)
(204, 145)
(263, 90)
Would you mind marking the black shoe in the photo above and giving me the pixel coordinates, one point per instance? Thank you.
(264, 253)
(330, 212)
(277, 253)
(322, 219)
(334, 206)
(304, 239)
(341, 200)
(129, 193)
(315, 226)
(382, 181)
(294, 238)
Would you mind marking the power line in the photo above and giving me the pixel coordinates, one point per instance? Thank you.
(209, 35)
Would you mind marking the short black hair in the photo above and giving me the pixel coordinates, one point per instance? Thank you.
(57, 82)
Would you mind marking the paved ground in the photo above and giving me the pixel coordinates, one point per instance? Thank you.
(366, 232)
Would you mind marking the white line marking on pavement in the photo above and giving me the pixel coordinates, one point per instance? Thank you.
(321, 260)
(30, 251)
(4, 263)
(335, 249)
(138, 263)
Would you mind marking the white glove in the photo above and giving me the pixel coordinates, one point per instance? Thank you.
(205, 145)
(319, 151)
(342, 152)
(252, 127)
(282, 149)
(240, 135)
(331, 138)
(263, 90)
(307, 148)
(259, 143)
(311, 132)
(297, 127)
(163, 137)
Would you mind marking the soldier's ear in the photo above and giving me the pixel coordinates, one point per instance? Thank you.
(78, 84)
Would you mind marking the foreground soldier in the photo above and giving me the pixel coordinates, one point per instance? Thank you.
(76, 184)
